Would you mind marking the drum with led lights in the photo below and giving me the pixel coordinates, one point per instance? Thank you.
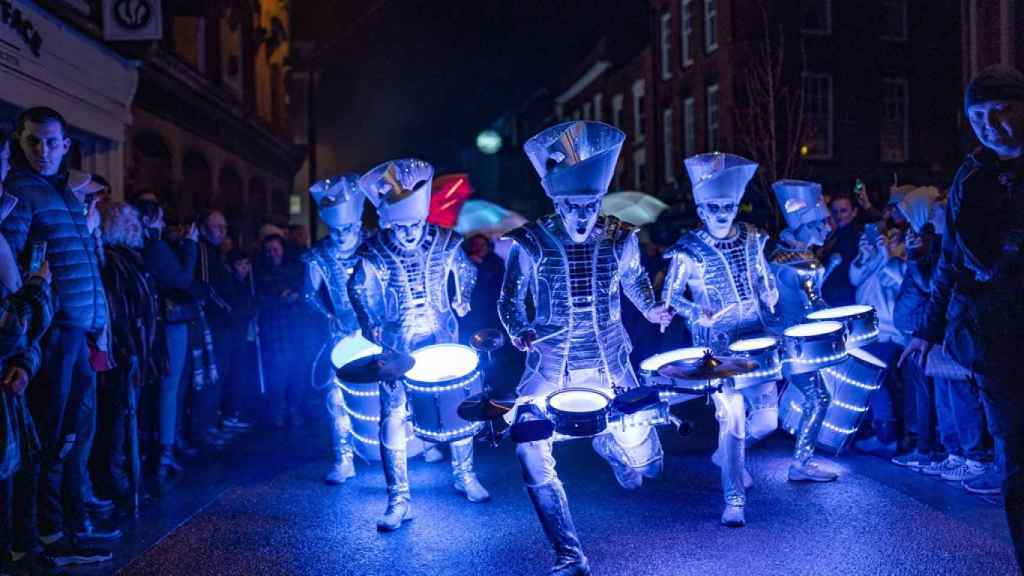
(578, 412)
(444, 375)
(649, 373)
(813, 346)
(850, 385)
(764, 351)
(362, 401)
(860, 320)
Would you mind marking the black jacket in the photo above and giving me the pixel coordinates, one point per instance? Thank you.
(976, 306)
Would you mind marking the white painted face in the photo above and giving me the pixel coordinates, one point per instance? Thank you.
(578, 216)
(718, 216)
(407, 234)
(813, 233)
(346, 238)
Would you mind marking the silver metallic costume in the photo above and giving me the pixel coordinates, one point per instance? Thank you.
(400, 294)
(723, 269)
(329, 265)
(575, 265)
(799, 277)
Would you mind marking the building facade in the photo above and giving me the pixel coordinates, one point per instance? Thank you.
(992, 32)
(211, 120)
(859, 92)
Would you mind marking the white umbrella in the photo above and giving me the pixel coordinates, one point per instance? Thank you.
(483, 217)
(633, 207)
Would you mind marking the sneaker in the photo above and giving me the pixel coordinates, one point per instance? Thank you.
(236, 424)
(989, 483)
(913, 460)
(875, 447)
(64, 553)
(952, 462)
(969, 470)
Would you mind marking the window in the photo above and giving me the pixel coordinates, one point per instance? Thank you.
(666, 145)
(640, 169)
(686, 28)
(712, 118)
(639, 106)
(894, 19)
(689, 128)
(598, 107)
(816, 16)
(817, 104)
(666, 45)
(895, 126)
(617, 111)
(710, 26)
(586, 110)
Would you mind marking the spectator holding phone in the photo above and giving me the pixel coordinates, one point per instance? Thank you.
(49, 209)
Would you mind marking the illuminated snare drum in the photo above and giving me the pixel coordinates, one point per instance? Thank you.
(362, 401)
(649, 373)
(763, 350)
(578, 412)
(813, 346)
(850, 384)
(444, 375)
(860, 320)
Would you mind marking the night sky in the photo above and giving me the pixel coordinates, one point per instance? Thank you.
(421, 78)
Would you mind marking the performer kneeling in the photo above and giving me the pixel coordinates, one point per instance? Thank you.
(574, 264)
(722, 265)
(400, 294)
(799, 277)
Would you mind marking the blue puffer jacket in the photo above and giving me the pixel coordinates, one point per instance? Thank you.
(48, 210)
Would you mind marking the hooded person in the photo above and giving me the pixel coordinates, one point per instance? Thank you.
(719, 281)
(328, 267)
(975, 311)
(799, 276)
(572, 264)
(399, 291)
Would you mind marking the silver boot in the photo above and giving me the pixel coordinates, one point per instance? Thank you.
(552, 509)
(396, 475)
(466, 482)
(342, 468)
(606, 446)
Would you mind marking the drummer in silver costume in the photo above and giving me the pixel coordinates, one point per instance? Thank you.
(575, 264)
(329, 265)
(799, 277)
(400, 294)
(722, 266)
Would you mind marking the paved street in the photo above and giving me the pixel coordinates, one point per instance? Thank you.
(270, 514)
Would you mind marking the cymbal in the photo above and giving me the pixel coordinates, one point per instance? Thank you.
(386, 366)
(487, 340)
(481, 408)
(707, 368)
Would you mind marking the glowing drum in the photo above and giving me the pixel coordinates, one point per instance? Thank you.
(578, 411)
(362, 401)
(444, 375)
(813, 346)
(851, 384)
(860, 320)
(764, 351)
(649, 373)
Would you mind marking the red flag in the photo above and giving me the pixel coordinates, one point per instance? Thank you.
(448, 194)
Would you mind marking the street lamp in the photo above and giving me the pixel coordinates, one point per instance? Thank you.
(488, 142)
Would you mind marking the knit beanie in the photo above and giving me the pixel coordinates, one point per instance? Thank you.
(996, 82)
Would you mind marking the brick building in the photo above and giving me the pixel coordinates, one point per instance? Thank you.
(880, 86)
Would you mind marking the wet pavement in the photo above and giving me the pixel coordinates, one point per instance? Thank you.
(263, 509)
